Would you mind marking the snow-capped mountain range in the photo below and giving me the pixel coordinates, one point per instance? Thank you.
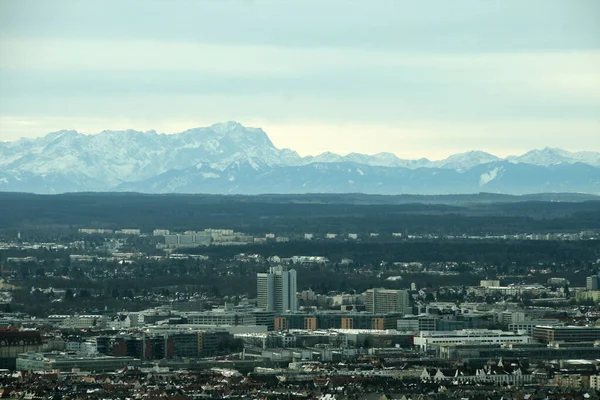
(230, 158)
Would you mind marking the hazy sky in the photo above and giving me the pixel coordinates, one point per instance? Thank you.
(417, 78)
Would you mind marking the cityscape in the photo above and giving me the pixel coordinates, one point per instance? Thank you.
(279, 326)
(299, 200)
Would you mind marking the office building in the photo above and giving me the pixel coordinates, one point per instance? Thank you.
(468, 336)
(192, 239)
(336, 320)
(489, 283)
(592, 282)
(529, 325)
(56, 361)
(276, 290)
(547, 334)
(231, 318)
(556, 351)
(386, 301)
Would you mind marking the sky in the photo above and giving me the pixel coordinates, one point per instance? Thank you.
(424, 78)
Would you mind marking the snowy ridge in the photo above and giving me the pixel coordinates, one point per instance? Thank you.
(231, 158)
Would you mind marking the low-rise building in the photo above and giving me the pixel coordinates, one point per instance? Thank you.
(56, 361)
(337, 320)
(425, 340)
(529, 325)
(547, 334)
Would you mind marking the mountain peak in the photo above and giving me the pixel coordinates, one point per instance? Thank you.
(62, 134)
(231, 151)
(226, 126)
(550, 150)
(467, 160)
(545, 157)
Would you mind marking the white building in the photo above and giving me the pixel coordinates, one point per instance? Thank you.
(511, 317)
(160, 232)
(126, 320)
(529, 325)
(85, 322)
(489, 283)
(276, 290)
(468, 336)
(135, 232)
(87, 348)
(386, 301)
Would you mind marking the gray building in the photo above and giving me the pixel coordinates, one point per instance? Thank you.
(592, 282)
(276, 290)
(386, 301)
(232, 318)
(66, 362)
(188, 240)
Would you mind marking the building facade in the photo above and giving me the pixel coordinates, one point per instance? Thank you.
(276, 290)
(386, 301)
(336, 320)
(469, 336)
(548, 334)
(592, 282)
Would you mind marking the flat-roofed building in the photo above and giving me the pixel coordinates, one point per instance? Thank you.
(310, 323)
(474, 336)
(547, 334)
(188, 240)
(234, 318)
(592, 282)
(528, 326)
(489, 283)
(347, 323)
(386, 301)
(281, 324)
(276, 290)
(66, 362)
(338, 320)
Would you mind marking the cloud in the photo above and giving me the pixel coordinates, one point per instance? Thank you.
(147, 55)
(427, 25)
(375, 76)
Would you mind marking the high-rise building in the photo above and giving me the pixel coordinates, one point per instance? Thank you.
(276, 290)
(265, 291)
(386, 301)
(592, 282)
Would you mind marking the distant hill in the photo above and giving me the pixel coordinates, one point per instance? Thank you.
(451, 214)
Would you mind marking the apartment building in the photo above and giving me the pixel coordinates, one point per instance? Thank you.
(386, 301)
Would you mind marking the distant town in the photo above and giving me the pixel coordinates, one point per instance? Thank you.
(502, 328)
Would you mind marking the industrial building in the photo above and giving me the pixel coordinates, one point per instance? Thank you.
(57, 361)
